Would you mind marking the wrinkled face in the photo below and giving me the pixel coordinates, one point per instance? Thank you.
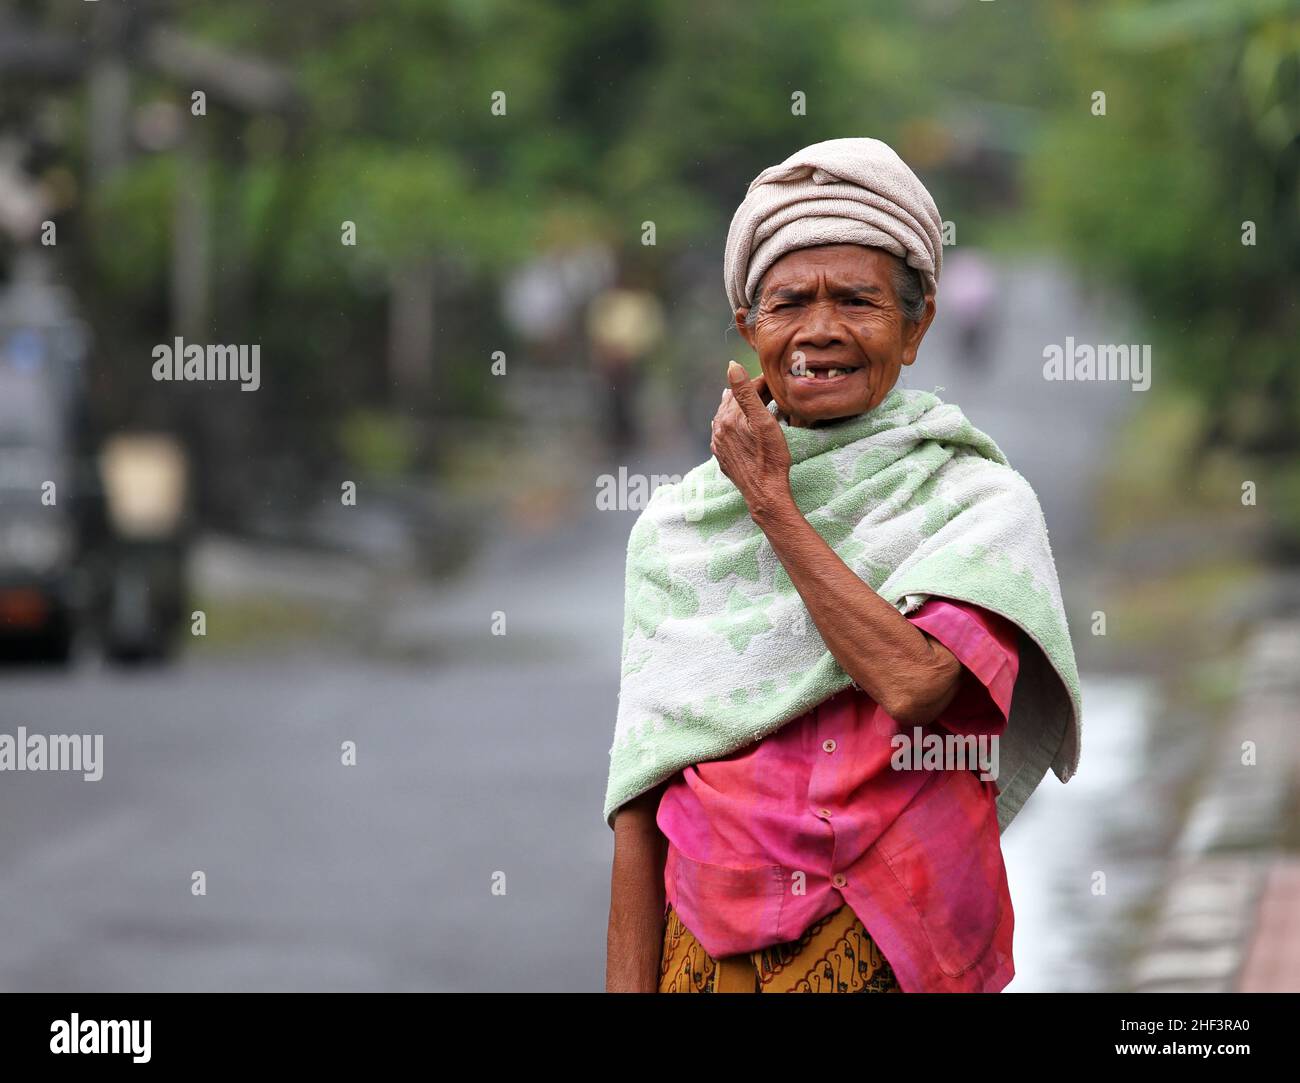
(829, 331)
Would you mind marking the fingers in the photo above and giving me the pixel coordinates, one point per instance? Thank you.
(759, 383)
(728, 409)
(744, 393)
(723, 428)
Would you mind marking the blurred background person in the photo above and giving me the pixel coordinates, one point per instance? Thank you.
(969, 295)
(624, 327)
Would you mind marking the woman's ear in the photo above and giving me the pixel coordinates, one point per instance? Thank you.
(913, 332)
(746, 332)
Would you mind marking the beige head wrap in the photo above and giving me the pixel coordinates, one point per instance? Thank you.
(842, 191)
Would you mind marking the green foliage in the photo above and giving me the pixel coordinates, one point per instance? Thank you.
(663, 110)
(131, 238)
(380, 444)
(1201, 136)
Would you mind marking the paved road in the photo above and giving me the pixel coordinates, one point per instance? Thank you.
(480, 760)
(319, 876)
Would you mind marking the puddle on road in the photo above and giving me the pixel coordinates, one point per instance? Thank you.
(1107, 820)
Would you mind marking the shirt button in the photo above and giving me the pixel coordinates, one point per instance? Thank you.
(825, 813)
(838, 880)
(829, 744)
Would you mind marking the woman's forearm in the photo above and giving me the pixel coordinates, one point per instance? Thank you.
(910, 675)
(634, 947)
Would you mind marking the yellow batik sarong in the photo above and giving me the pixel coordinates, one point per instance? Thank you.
(834, 954)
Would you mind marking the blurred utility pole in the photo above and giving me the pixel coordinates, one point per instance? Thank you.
(411, 329)
(191, 239)
(109, 92)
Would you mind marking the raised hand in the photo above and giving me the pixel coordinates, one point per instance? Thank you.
(749, 444)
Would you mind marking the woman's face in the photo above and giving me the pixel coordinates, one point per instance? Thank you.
(829, 331)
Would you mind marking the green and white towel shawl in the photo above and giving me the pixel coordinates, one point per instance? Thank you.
(719, 649)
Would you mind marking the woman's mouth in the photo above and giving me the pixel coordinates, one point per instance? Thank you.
(823, 375)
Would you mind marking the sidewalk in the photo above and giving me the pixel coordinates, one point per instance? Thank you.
(1273, 959)
(1230, 916)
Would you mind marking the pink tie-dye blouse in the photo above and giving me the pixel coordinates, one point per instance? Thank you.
(766, 840)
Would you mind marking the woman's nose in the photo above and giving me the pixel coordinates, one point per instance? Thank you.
(820, 326)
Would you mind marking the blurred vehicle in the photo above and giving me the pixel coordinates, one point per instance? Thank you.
(90, 539)
(44, 580)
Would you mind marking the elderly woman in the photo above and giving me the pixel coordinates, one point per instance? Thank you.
(821, 623)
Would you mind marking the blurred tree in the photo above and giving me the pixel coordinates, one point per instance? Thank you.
(462, 138)
(1188, 191)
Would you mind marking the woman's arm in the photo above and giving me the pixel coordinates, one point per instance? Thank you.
(912, 676)
(634, 948)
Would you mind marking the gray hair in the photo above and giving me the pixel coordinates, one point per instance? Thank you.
(909, 291)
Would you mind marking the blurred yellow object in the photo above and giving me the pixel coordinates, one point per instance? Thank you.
(625, 323)
(145, 484)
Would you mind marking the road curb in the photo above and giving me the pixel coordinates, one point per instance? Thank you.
(1225, 921)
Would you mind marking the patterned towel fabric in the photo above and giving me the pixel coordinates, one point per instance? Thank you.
(719, 649)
